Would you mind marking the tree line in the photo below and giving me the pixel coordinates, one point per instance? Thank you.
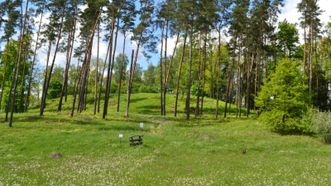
(224, 49)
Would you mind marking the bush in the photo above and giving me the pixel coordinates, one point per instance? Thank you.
(281, 122)
(55, 89)
(148, 89)
(283, 99)
(322, 124)
(113, 88)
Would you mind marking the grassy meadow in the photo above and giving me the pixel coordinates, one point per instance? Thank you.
(202, 151)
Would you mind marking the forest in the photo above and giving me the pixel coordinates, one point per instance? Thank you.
(198, 65)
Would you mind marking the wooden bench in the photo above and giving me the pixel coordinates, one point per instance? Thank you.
(136, 140)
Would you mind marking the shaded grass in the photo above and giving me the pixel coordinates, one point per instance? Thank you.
(149, 103)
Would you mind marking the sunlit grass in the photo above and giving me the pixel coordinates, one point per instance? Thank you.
(204, 151)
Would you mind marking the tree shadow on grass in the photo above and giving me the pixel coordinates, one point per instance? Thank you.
(135, 100)
(36, 118)
(149, 109)
(53, 119)
(87, 122)
(134, 128)
(193, 123)
(221, 111)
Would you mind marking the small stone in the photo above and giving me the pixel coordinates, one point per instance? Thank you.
(244, 151)
(56, 155)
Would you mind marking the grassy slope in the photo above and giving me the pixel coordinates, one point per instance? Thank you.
(201, 152)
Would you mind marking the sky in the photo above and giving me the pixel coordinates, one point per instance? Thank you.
(288, 12)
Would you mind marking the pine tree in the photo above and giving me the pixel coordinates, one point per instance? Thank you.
(39, 11)
(69, 32)
(13, 88)
(168, 27)
(179, 74)
(91, 17)
(310, 22)
(187, 17)
(120, 66)
(238, 25)
(57, 9)
(259, 35)
(97, 71)
(10, 8)
(287, 38)
(113, 14)
(143, 36)
(127, 14)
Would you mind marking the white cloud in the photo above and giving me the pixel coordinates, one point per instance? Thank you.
(326, 7)
(289, 11)
(291, 14)
(171, 44)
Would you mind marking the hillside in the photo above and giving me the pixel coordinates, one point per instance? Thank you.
(202, 151)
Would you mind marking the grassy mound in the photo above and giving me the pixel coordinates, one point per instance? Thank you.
(202, 151)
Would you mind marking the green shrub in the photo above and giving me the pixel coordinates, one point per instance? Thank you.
(55, 89)
(322, 124)
(113, 88)
(281, 122)
(148, 89)
(283, 99)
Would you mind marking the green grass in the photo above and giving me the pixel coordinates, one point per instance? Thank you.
(204, 151)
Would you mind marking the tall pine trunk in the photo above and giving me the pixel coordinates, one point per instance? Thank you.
(46, 68)
(110, 69)
(3, 84)
(84, 75)
(43, 101)
(204, 73)
(121, 75)
(239, 84)
(218, 75)
(81, 81)
(129, 85)
(70, 42)
(165, 69)
(70, 46)
(97, 73)
(76, 85)
(172, 59)
(197, 112)
(310, 58)
(17, 66)
(27, 100)
(131, 77)
(102, 77)
(161, 71)
(179, 75)
(248, 84)
(188, 96)
(22, 97)
(228, 90)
